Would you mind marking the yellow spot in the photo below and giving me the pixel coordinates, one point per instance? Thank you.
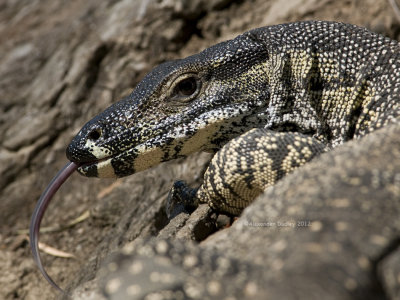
(162, 260)
(214, 287)
(314, 247)
(279, 246)
(162, 247)
(105, 169)
(128, 248)
(334, 247)
(363, 262)
(136, 267)
(340, 203)
(355, 181)
(112, 267)
(190, 261)
(98, 152)
(201, 137)
(162, 277)
(148, 158)
(277, 264)
(350, 284)
(250, 289)
(316, 226)
(341, 226)
(378, 240)
(113, 285)
(133, 290)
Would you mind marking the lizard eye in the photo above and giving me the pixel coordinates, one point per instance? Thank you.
(187, 88)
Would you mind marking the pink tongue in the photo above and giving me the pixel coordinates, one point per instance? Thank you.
(39, 211)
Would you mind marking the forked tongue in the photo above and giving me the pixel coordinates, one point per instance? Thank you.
(39, 211)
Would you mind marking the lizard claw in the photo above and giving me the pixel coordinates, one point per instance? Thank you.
(181, 198)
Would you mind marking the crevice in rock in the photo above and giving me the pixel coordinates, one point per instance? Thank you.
(94, 63)
(191, 21)
(93, 68)
(226, 4)
(191, 29)
(54, 99)
(160, 221)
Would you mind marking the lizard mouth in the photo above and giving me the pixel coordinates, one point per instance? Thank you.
(95, 162)
(97, 167)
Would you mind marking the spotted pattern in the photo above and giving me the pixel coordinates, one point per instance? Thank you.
(247, 165)
(176, 272)
(328, 80)
(276, 97)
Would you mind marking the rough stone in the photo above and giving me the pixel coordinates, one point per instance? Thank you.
(316, 234)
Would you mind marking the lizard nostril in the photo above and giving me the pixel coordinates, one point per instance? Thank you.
(94, 135)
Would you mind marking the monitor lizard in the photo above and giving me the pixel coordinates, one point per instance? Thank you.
(266, 102)
(279, 95)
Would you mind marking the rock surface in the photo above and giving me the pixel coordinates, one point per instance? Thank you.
(62, 62)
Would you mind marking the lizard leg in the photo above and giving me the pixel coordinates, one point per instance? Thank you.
(181, 198)
(245, 166)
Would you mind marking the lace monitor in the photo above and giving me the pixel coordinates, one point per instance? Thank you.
(266, 102)
(280, 94)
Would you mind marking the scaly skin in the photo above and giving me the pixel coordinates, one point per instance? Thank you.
(267, 102)
(330, 81)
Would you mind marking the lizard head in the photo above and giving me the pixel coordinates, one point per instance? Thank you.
(180, 107)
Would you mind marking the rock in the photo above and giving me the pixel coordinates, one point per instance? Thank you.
(322, 232)
(28, 129)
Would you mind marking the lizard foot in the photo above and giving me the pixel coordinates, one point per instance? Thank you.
(181, 198)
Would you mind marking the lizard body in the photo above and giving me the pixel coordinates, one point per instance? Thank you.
(266, 102)
(328, 81)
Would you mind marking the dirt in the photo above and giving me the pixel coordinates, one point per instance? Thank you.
(62, 62)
